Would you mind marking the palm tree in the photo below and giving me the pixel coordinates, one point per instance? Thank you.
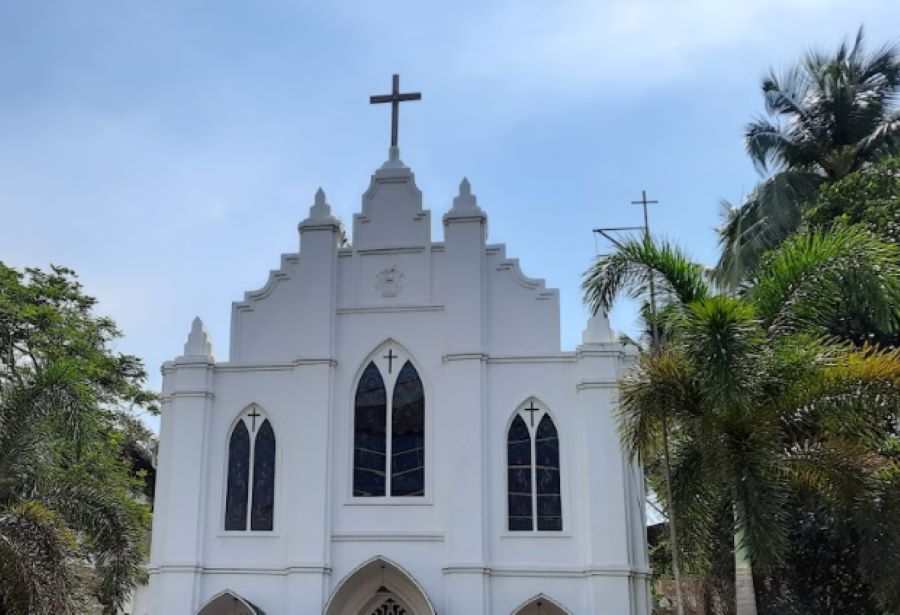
(72, 533)
(758, 398)
(827, 117)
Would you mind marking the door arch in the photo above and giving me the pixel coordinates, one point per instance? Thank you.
(541, 605)
(379, 587)
(229, 603)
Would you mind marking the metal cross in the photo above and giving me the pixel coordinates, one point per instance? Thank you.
(253, 414)
(532, 410)
(645, 202)
(390, 356)
(395, 98)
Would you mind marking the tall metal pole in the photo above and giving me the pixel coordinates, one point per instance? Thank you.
(654, 335)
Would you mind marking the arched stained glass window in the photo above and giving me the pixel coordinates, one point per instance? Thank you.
(251, 453)
(389, 428)
(519, 494)
(408, 434)
(263, 478)
(546, 453)
(238, 478)
(370, 434)
(533, 475)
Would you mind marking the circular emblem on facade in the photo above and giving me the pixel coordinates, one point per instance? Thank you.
(390, 281)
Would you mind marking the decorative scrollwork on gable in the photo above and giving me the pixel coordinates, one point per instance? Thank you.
(389, 607)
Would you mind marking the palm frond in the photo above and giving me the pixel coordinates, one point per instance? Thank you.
(769, 215)
(37, 562)
(659, 387)
(817, 278)
(628, 270)
(115, 536)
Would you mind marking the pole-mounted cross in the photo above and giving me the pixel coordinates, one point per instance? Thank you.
(645, 202)
(532, 410)
(253, 415)
(395, 98)
(390, 356)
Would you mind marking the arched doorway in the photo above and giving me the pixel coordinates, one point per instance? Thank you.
(229, 603)
(541, 605)
(379, 587)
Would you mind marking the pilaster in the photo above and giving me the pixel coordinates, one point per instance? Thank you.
(187, 394)
(465, 419)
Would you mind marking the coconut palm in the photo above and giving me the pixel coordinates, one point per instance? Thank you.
(826, 117)
(758, 397)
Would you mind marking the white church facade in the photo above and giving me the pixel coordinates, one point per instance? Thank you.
(397, 431)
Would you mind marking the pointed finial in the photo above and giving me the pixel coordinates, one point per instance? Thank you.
(598, 330)
(465, 200)
(320, 209)
(198, 342)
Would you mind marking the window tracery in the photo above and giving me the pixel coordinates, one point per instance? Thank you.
(389, 429)
(534, 499)
(251, 453)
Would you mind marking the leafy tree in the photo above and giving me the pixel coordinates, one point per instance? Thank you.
(869, 196)
(828, 116)
(762, 402)
(72, 528)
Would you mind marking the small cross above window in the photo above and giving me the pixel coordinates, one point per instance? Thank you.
(253, 414)
(390, 356)
(531, 409)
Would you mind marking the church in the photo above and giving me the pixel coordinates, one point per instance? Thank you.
(397, 431)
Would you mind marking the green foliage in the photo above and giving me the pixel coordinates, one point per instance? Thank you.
(839, 283)
(766, 408)
(72, 527)
(827, 117)
(869, 196)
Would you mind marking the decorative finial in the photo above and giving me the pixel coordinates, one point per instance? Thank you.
(320, 209)
(598, 330)
(198, 342)
(465, 200)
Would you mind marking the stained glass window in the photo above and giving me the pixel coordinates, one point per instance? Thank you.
(370, 434)
(408, 434)
(532, 473)
(546, 453)
(238, 478)
(263, 501)
(519, 491)
(251, 451)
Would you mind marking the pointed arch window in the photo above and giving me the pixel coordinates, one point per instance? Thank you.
(534, 501)
(389, 429)
(250, 491)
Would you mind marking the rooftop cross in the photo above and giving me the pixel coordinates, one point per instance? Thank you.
(395, 98)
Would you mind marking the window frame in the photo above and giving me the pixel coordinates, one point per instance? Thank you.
(563, 476)
(390, 381)
(276, 487)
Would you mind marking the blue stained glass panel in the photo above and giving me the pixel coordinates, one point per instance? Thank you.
(408, 434)
(263, 503)
(370, 435)
(238, 478)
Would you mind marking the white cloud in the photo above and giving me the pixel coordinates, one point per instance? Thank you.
(579, 46)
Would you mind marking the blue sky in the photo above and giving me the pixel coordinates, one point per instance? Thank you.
(166, 150)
